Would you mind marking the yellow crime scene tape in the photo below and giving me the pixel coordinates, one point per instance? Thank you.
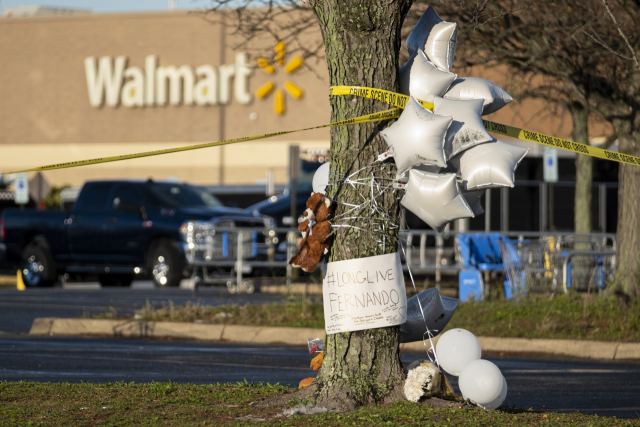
(382, 115)
(552, 141)
(392, 98)
(399, 100)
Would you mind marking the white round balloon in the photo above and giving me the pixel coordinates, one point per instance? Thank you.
(498, 400)
(457, 348)
(481, 382)
(321, 179)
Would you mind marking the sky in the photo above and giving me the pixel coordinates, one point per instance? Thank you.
(98, 6)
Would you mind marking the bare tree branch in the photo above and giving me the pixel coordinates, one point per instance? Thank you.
(609, 141)
(604, 45)
(502, 13)
(624, 37)
(288, 21)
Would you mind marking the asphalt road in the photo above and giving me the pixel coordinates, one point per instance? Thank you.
(609, 389)
(18, 309)
(604, 388)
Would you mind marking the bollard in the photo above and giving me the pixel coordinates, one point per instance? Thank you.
(19, 282)
(439, 253)
(239, 263)
(291, 248)
(423, 250)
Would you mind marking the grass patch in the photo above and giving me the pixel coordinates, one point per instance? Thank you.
(583, 317)
(158, 404)
(588, 317)
(293, 311)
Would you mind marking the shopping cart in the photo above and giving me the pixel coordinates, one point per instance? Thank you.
(529, 266)
(557, 263)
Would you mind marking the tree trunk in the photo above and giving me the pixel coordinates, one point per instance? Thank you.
(584, 172)
(627, 278)
(362, 42)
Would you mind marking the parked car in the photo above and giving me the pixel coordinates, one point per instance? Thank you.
(119, 229)
(278, 209)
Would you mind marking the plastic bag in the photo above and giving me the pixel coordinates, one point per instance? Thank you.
(315, 347)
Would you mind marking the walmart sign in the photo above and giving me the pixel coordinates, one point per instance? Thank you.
(111, 82)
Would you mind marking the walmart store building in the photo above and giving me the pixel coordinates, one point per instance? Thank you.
(80, 86)
(95, 85)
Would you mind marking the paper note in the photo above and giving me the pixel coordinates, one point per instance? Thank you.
(364, 293)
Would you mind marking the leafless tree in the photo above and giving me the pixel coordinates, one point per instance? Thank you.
(361, 41)
(564, 40)
(587, 51)
(273, 21)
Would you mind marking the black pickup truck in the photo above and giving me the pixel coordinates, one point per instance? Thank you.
(118, 230)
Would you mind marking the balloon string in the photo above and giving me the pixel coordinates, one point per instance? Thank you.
(373, 189)
(369, 188)
(432, 349)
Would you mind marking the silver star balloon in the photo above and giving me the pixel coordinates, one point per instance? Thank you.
(422, 80)
(436, 37)
(467, 129)
(490, 165)
(403, 178)
(416, 138)
(435, 198)
(436, 312)
(474, 198)
(476, 88)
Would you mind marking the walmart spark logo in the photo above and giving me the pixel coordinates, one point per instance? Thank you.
(292, 89)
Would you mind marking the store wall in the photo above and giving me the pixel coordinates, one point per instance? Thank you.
(48, 118)
(47, 115)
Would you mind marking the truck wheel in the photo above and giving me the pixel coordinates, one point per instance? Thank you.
(37, 266)
(115, 280)
(232, 287)
(165, 265)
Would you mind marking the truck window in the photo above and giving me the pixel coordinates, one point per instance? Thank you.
(93, 197)
(165, 195)
(127, 195)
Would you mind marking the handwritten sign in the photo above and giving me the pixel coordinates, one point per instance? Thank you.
(364, 293)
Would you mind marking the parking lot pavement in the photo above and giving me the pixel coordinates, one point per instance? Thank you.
(591, 387)
(18, 309)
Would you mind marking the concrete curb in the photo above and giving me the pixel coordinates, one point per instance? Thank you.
(190, 331)
(298, 336)
(604, 350)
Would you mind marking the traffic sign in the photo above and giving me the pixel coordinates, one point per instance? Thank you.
(550, 164)
(21, 189)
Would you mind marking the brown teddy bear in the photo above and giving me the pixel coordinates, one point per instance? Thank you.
(316, 232)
